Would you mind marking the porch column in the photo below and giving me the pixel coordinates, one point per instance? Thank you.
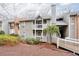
(35, 28)
(42, 28)
(69, 25)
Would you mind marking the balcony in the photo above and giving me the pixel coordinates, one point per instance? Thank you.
(39, 26)
(41, 38)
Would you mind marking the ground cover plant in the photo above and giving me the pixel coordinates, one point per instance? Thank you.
(8, 39)
(32, 40)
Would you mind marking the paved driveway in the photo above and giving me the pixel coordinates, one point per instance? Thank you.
(33, 50)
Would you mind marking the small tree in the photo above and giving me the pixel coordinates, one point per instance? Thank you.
(51, 30)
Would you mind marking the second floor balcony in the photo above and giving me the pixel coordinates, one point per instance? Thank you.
(39, 26)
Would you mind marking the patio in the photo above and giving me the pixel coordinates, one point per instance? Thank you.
(42, 49)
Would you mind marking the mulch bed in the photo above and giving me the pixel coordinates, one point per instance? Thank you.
(43, 49)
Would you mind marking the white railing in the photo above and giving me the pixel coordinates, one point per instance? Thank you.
(71, 40)
(68, 40)
(44, 26)
(37, 36)
(39, 26)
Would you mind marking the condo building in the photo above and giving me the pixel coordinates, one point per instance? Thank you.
(33, 26)
(28, 22)
(70, 27)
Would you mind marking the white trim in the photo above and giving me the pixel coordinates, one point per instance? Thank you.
(75, 27)
(69, 26)
(42, 28)
(68, 40)
(58, 43)
(35, 28)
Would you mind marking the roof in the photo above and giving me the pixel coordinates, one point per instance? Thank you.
(68, 13)
(24, 10)
(60, 23)
(26, 19)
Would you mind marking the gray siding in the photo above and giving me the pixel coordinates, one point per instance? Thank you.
(5, 26)
(66, 20)
(26, 29)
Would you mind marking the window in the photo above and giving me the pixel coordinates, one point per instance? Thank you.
(39, 22)
(38, 32)
(17, 25)
(11, 26)
(33, 32)
(44, 21)
(39, 26)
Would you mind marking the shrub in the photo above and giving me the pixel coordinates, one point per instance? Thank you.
(14, 34)
(2, 32)
(31, 40)
(8, 40)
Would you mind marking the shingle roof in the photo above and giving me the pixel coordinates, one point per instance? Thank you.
(60, 23)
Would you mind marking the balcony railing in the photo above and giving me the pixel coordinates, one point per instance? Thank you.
(39, 26)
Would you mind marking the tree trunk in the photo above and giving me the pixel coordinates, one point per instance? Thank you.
(50, 38)
(54, 38)
(47, 37)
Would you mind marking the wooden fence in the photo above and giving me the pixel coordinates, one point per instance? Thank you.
(69, 44)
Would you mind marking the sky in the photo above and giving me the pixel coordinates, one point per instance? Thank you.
(30, 9)
(63, 7)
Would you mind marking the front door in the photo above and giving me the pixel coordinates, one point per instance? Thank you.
(62, 30)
